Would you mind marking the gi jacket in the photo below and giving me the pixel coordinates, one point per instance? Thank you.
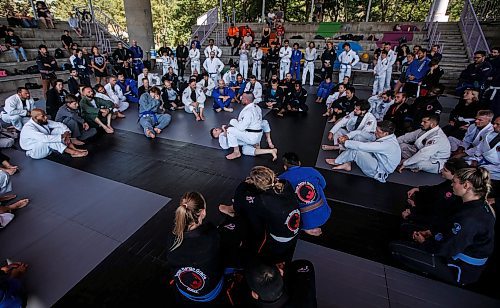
(432, 145)
(487, 155)
(14, 106)
(474, 136)
(366, 128)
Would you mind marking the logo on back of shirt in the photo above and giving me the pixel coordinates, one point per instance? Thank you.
(456, 228)
(293, 221)
(306, 192)
(250, 199)
(191, 278)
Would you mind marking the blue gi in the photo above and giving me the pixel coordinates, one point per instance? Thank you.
(418, 69)
(324, 89)
(131, 95)
(148, 114)
(242, 85)
(295, 64)
(137, 55)
(308, 184)
(219, 103)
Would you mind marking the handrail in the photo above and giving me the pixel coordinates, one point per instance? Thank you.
(207, 26)
(473, 34)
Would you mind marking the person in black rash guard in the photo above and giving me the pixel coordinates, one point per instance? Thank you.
(458, 252)
(194, 254)
(270, 208)
(433, 205)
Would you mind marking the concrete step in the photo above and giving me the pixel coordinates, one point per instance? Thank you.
(32, 53)
(11, 83)
(33, 43)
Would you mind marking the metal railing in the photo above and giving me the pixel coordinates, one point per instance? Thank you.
(472, 32)
(488, 11)
(206, 28)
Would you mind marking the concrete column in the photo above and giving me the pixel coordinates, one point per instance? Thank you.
(140, 23)
(440, 7)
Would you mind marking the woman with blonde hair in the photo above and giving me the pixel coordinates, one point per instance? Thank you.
(194, 253)
(458, 251)
(270, 208)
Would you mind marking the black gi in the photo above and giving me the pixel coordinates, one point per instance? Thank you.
(397, 114)
(423, 106)
(182, 53)
(276, 98)
(272, 62)
(465, 111)
(344, 105)
(296, 100)
(328, 59)
(459, 253)
(173, 78)
(54, 101)
(287, 85)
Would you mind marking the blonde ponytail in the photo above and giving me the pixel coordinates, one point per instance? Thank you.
(264, 179)
(187, 213)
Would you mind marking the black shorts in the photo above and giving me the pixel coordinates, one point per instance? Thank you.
(98, 73)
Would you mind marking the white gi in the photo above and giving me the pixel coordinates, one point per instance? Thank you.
(285, 56)
(488, 156)
(425, 150)
(379, 107)
(152, 78)
(347, 60)
(345, 126)
(170, 62)
(187, 101)
(376, 159)
(250, 118)
(40, 140)
(391, 57)
(257, 55)
(208, 89)
(333, 97)
(244, 63)
(310, 57)
(213, 67)
(215, 49)
(5, 187)
(380, 72)
(257, 91)
(246, 148)
(115, 94)
(472, 138)
(230, 78)
(194, 57)
(15, 113)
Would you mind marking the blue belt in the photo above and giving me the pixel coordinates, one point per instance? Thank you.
(205, 298)
(149, 114)
(470, 260)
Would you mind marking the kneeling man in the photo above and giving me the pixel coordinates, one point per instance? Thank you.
(376, 159)
(40, 137)
(151, 121)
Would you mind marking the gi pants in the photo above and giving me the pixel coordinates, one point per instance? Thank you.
(182, 66)
(219, 103)
(295, 71)
(122, 106)
(388, 77)
(16, 120)
(308, 68)
(327, 71)
(41, 150)
(257, 69)
(148, 123)
(365, 161)
(284, 69)
(247, 140)
(343, 132)
(6, 142)
(77, 130)
(243, 69)
(408, 150)
(195, 65)
(323, 93)
(344, 70)
(191, 108)
(5, 183)
(215, 77)
(270, 69)
(378, 84)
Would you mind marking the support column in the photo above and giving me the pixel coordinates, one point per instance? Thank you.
(440, 7)
(140, 23)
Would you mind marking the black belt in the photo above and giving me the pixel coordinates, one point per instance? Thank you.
(253, 130)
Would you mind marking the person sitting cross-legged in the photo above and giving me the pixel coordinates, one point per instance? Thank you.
(149, 117)
(41, 136)
(193, 99)
(17, 108)
(376, 159)
(70, 115)
(223, 96)
(96, 111)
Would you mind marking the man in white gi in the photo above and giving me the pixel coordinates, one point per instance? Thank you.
(310, 57)
(247, 129)
(376, 159)
(213, 66)
(257, 55)
(285, 56)
(486, 154)
(231, 76)
(379, 72)
(391, 57)
(194, 58)
(40, 137)
(17, 108)
(152, 78)
(244, 53)
(379, 104)
(256, 88)
(193, 99)
(474, 135)
(206, 84)
(212, 48)
(359, 125)
(426, 149)
(347, 58)
(115, 93)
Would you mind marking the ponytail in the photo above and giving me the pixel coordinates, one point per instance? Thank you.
(264, 179)
(187, 213)
(479, 178)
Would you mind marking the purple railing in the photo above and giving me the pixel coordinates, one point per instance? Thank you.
(471, 29)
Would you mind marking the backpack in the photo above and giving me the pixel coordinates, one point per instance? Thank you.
(58, 53)
(32, 69)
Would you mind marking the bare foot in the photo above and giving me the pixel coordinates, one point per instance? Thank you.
(228, 109)
(233, 155)
(9, 171)
(107, 130)
(270, 144)
(332, 120)
(111, 128)
(226, 209)
(150, 134)
(280, 114)
(314, 232)
(157, 130)
(79, 154)
(331, 161)
(327, 147)
(198, 118)
(202, 117)
(274, 153)
(120, 115)
(6, 198)
(345, 167)
(18, 204)
(218, 110)
(77, 142)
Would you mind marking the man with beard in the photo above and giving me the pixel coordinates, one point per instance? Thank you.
(423, 106)
(272, 61)
(397, 113)
(47, 67)
(213, 66)
(40, 137)
(476, 74)
(120, 56)
(182, 53)
(96, 111)
(17, 108)
(416, 72)
(426, 149)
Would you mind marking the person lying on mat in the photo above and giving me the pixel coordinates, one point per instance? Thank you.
(377, 159)
(150, 118)
(41, 136)
(247, 149)
(96, 111)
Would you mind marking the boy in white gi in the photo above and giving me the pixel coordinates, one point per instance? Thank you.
(285, 56)
(347, 58)
(380, 72)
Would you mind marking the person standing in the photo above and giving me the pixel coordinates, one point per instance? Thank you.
(257, 55)
(379, 71)
(391, 57)
(182, 54)
(194, 57)
(214, 66)
(137, 56)
(244, 60)
(98, 63)
(47, 67)
(272, 61)
(327, 59)
(348, 58)
(295, 65)
(310, 57)
(285, 55)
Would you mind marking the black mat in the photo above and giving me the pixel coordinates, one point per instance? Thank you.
(406, 177)
(74, 220)
(184, 126)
